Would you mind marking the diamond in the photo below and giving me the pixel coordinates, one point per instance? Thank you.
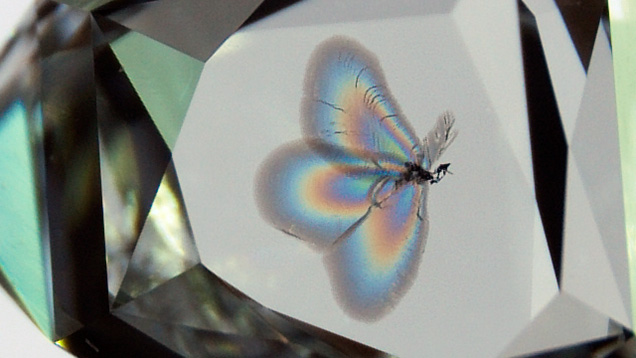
(131, 134)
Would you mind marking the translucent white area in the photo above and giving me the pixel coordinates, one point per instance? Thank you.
(478, 267)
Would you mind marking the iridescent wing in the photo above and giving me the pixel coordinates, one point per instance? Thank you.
(316, 191)
(348, 104)
(338, 188)
(437, 140)
(375, 262)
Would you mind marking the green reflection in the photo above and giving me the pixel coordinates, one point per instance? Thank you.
(623, 30)
(21, 252)
(163, 77)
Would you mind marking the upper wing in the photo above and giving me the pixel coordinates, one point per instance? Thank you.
(437, 140)
(316, 191)
(375, 261)
(347, 103)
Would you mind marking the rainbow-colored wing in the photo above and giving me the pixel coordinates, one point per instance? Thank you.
(348, 104)
(375, 262)
(316, 191)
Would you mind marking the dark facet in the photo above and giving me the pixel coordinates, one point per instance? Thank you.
(112, 337)
(71, 153)
(582, 19)
(547, 138)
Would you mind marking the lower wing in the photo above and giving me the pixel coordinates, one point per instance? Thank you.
(375, 262)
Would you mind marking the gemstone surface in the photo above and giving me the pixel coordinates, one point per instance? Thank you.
(132, 134)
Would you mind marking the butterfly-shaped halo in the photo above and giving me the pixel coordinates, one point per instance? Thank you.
(356, 185)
